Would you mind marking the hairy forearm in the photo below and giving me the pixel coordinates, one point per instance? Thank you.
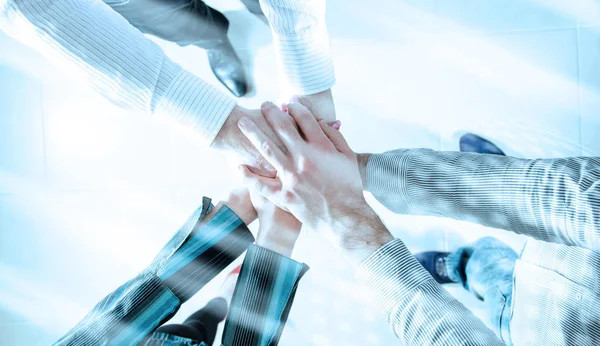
(360, 233)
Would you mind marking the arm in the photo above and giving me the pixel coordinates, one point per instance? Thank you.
(554, 200)
(320, 184)
(88, 39)
(303, 51)
(419, 310)
(209, 241)
(97, 44)
(259, 308)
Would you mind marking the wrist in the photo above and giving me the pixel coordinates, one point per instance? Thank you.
(229, 130)
(360, 234)
(280, 240)
(321, 105)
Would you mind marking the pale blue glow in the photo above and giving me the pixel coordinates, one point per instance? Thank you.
(89, 193)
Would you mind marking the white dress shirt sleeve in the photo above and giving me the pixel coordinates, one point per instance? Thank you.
(301, 43)
(88, 38)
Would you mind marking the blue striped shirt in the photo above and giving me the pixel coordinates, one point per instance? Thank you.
(556, 295)
(193, 256)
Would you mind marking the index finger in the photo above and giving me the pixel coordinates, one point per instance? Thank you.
(282, 124)
(265, 146)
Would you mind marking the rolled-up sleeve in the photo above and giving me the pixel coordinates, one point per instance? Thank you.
(301, 44)
(88, 39)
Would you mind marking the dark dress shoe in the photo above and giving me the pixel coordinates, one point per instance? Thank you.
(228, 68)
(435, 263)
(471, 143)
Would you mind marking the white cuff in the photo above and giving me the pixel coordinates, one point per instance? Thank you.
(305, 61)
(195, 104)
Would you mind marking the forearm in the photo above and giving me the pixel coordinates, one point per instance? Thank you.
(321, 104)
(208, 242)
(93, 42)
(263, 297)
(301, 44)
(419, 310)
(552, 200)
(359, 233)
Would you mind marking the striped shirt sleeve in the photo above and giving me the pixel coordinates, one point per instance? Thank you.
(301, 44)
(193, 256)
(554, 200)
(262, 298)
(88, 39)
(418, 309)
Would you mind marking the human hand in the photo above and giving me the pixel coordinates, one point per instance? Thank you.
(231, 139)
(321, 105)
(278, 230)
(239, 201)
(317, 180)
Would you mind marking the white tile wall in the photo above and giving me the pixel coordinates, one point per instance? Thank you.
(80, 179)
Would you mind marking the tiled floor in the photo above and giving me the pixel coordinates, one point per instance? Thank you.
(89, 193)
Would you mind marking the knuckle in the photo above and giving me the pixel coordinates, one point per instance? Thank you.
(294, 180)
(288, 196)
(282, 126)
(266, 148)
(307, 165)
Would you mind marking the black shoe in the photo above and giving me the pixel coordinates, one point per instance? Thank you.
(228, 68)
(472, 143)
(435, 263)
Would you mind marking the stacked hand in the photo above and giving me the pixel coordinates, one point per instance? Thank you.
(317, 179)
(231, 139)
(278, 229)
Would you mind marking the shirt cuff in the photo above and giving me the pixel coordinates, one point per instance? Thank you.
(387, 172)
(390, 274)
(189, 101)
(305, 61)
(188, 266)
(262, 298)
(193, 256)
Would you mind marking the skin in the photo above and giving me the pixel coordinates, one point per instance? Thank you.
(278, 230)
(317, 180)
(230, 138)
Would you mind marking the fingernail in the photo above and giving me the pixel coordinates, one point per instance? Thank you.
(284, 107)
(336, 124)
(295, 99)
(268, 104)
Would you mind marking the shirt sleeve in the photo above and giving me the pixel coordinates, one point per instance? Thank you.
(554, 200)
(301, 44)
(418, 309)
(88, 39)
(262, 298)
(193, 256)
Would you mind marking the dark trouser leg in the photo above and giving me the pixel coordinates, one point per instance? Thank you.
(202, 325)
(486, 268)
(185, 22)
